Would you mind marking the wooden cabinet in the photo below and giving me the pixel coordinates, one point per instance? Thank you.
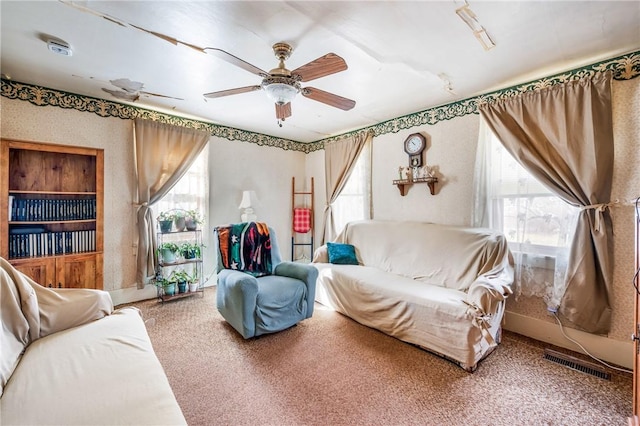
(52, 212)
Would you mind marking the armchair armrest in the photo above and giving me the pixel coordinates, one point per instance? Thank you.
(484, 297)
(236, 296)
(306, 273)
(494, 285)
(61, 309)
(486, 294)
(321, 255)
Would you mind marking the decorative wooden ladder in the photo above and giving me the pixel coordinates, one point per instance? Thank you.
(301, 218)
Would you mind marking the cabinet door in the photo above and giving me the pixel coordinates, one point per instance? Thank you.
(81, 271)
(42, 271)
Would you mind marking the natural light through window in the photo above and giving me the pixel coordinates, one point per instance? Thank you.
(538, 224)
(531, 217)
(191, 191)
(353, 201)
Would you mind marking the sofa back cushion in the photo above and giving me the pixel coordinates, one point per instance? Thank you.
(443, 255)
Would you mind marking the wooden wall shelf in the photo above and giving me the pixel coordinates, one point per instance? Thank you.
(404, 184)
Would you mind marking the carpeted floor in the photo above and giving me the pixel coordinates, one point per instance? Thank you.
(330, 370)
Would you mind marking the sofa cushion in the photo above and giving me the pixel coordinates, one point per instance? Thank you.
(342, 254)
(433, 317)
(30, 311)
(103, 372)
(280, 303)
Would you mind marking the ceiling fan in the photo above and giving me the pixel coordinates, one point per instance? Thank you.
(282, 85)
(131, 90)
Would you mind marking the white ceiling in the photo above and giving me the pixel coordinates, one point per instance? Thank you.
(399, 53)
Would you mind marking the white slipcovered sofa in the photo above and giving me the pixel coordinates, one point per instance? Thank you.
(440, 287)
(67, 358)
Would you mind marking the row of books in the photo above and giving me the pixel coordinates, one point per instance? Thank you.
(32, 209)
(51, 243)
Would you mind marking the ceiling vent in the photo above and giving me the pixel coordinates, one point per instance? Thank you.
(60, 47)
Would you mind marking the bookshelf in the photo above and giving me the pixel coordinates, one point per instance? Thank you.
(51, 212)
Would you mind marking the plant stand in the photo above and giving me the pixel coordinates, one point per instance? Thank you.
(193, 266)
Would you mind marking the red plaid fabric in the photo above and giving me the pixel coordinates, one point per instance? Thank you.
(301, 220)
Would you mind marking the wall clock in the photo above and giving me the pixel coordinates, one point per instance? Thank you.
(414, 145)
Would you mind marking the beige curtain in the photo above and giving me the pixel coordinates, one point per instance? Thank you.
(163, 153)
(563, 135)
(339, 158)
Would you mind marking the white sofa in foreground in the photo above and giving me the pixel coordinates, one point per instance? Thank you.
(440, 287)
(67, 358)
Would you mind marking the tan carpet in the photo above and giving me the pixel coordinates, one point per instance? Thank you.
(330, 370)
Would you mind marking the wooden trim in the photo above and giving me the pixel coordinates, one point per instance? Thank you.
(51, 147)
(100, 200)
(4, 196)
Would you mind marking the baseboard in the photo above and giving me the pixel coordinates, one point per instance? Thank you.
(133, 294)
(612, 351)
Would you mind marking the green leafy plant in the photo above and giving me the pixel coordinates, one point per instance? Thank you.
(168, 286)
(165, 216)
(180, 276)
(194, 216)
(168, 246)
(190, 250)
(193, 277)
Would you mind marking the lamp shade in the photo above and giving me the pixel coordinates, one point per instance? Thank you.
(248, 199)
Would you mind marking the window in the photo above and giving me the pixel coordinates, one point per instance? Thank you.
(538, 224)
(532, 218)
(353, 203)
(192, 190)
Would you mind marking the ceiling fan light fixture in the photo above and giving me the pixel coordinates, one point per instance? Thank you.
(281, 90)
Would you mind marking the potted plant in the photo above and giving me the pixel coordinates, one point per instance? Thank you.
(179, 220)
(165, 221)
(168, 252)
(168, 286)
(189, 250)
(193, 219)
(182, 278)
(193, 282)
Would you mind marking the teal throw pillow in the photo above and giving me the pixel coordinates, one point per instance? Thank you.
(342, 254)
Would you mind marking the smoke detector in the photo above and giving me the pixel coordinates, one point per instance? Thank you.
(60, 47)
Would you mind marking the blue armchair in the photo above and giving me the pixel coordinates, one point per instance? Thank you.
(266, 304)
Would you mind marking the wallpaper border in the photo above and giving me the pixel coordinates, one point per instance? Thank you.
(624, 67)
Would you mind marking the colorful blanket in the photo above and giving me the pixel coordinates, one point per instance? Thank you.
(245, 247)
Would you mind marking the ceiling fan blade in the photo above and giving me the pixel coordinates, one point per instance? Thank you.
(328, 98)
(226, 56)
(228, 92)
(323, 66)
(283, 111)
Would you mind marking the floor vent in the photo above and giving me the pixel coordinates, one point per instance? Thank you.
(576, 364)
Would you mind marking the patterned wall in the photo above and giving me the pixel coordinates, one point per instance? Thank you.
(623, 67)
